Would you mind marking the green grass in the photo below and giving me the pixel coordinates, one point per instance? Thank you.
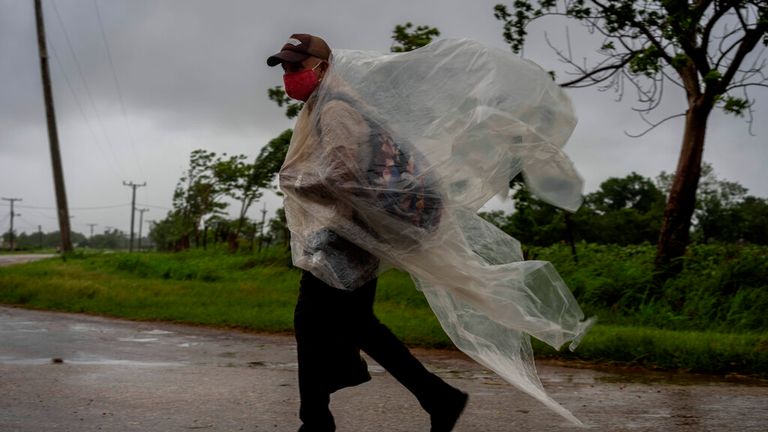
(701, 352)
(258, 292)
(723, 287)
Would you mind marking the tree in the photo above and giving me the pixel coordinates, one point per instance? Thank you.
(722, 209)
(624, 210)
(238, 181)
(198, 194)
(753, 222)
(170, 233)
(109, 239)
(37, 240)
(278, 231)
(405, 39)
(716, 215)
(633, 191)
(292, 108)
(270, 159)
(702, 46)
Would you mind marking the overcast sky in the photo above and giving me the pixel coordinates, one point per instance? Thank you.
(189, 74)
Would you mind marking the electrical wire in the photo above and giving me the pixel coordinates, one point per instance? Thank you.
(41, 214)
(113, 160)
(82, 77)
(30, 224)
(77, 208)
(153, 206)
(117, 87)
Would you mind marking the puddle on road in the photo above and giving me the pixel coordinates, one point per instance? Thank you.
(85, 328)
(115, 362)
(32, 330)
(95, 361)
(14, 327)
(157, 332)
(140, 340)
(678, 379)
(24, 362)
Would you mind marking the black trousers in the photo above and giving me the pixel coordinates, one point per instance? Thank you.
(332, 326)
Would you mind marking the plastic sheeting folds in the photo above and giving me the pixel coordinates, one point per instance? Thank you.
(390, 160)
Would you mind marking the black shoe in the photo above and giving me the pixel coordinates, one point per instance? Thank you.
(445, 416)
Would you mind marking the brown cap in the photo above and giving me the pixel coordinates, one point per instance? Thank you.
(298, 47)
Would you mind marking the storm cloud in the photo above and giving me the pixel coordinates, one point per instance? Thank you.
(166, 77)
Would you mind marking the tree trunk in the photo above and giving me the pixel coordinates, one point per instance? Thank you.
(675, 229)
(569, 235)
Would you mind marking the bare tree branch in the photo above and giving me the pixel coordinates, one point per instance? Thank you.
(719, 13)
(644, 30)
(745, 86)
(612, 67)
(653, 125)
(751, 38)
(674, 81)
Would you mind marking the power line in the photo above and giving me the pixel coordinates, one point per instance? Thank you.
(78, 208)
(30, 224)
(82, 77)
(117, 87)
(113, 160)
(154, 206)
(40, 214)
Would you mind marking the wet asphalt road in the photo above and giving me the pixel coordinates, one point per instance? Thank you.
(6, 260)
(115, 375)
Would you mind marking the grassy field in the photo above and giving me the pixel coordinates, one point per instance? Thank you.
(258, 293)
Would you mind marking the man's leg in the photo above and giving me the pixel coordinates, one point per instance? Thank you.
(442, 401)
(314, 396)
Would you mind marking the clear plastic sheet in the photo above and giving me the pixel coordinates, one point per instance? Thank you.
(391, 159)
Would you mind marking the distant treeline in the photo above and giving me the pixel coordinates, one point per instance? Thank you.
(629, 210)
(622, 211)
(109, 239)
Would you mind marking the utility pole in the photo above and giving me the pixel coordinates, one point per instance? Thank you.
(133, 186)
(90, 239)
(263, 218)
(141, 223)
(13, 214)
(40, 234)
(53, 136)
(152, 223)
(91, 225)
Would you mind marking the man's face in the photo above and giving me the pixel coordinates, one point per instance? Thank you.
(301, 79)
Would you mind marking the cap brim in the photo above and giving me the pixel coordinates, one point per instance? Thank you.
(286, 56)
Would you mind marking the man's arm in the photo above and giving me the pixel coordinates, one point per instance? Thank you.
(330, 168)
(344, 139)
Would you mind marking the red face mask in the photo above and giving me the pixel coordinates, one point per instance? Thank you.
(300, 85)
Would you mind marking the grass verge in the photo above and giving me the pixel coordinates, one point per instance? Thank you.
(259, 292)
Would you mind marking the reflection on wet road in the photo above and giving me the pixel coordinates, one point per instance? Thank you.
(82, 373)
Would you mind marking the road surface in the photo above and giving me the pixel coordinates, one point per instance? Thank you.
(70, 372)
(6, 260)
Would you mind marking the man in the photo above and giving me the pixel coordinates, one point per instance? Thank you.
(328, 149)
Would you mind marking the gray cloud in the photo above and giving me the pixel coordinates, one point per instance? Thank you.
(192, 74)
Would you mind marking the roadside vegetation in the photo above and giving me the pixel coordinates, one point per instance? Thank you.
(710, 320)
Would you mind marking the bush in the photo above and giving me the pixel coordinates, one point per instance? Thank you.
(721, 288)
